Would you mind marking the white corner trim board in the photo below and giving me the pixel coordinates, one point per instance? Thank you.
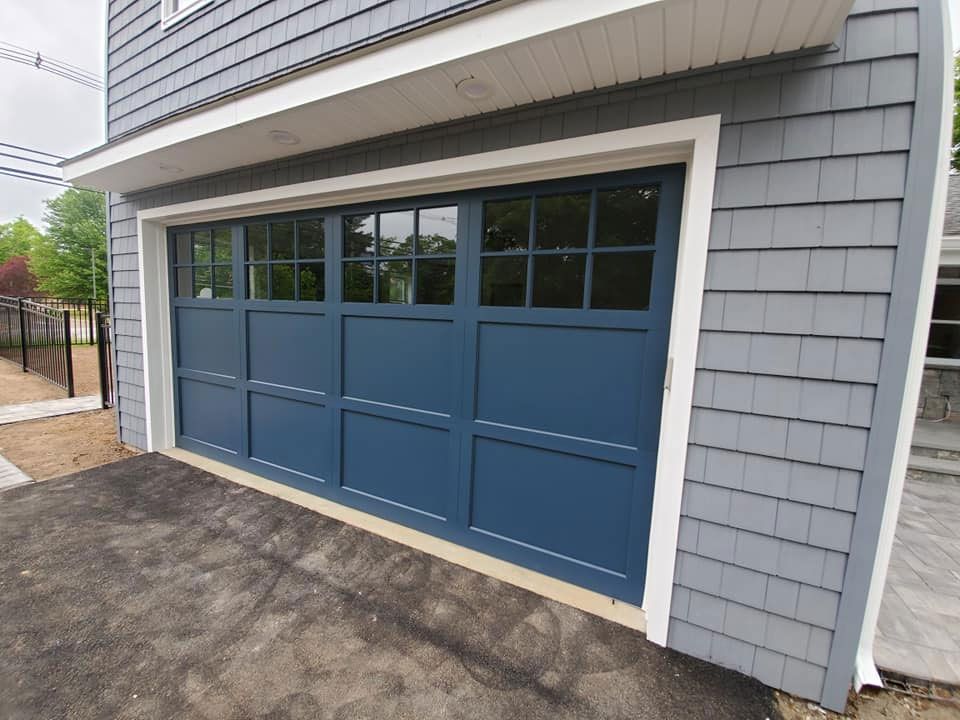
(865, 670)
(694, 141)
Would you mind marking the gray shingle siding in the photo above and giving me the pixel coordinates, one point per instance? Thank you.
(234, 44)
(802, 249)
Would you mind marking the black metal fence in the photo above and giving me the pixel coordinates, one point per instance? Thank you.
(38, 338)
(83, 315)
(105, 359)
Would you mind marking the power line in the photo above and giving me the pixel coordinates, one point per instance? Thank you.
(14, 174)
(17, 53)
(92, 75)
(55, 71)
(31, 150)
(39, 180)
(29, 160)
(30, 172)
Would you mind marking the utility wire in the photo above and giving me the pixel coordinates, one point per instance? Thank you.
(77, 68)
(39, 180)
(22, 55)
(37, 58)
(15, 174)
(31, 150)
(29, 160)
(4, 55)
(30, 172)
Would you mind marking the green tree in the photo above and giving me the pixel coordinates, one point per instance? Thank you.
(955, 154)
(73, 253)
(17, 238)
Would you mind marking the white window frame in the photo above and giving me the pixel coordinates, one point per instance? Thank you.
(694, 141)
(170, 17)
(949, 257)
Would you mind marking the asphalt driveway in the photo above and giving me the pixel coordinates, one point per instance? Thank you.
(151, 589)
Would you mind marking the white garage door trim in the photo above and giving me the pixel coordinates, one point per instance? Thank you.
(694, 141)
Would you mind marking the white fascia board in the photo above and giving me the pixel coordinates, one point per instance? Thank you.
(486, 31)
(694, 141)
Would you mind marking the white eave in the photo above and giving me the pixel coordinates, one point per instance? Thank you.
(524, 52)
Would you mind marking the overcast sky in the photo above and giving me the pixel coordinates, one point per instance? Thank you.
(42, 111)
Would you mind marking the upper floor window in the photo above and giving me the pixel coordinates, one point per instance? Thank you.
(173, 11)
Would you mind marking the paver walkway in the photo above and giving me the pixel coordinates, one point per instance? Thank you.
(11, 475)
(47, 408)
(918, 633)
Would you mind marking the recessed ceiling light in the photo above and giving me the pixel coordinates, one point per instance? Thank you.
(170, 168)
(472, 88)
(284, 137)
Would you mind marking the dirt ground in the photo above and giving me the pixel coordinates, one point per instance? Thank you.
(17, 386)
(874, 704)
(56, 446)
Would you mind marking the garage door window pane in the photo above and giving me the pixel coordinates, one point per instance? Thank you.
(312, 282)
(503, 281)
(396, 282)
(558, 280)
(281, 279)
(506, 225)
(184, 282)
(396, 233)
(627, 216)
(183, 248)
(358, 235)
(223, 281)
(563, 221)
(281, 241)
(201, 283)
(311, 240)
(222, 245)
(621, 281)
(256, 242)
(435, 281)
(257, 282)
(201, 247)
(437, 231)
(358, 282)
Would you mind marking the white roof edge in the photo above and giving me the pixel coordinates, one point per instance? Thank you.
(494, 28)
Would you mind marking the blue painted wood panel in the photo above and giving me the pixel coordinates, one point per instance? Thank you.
(584, 382)
(206, 340)
(290, 434)
(574, 506)
(528, 433)
(400, 361)
(210, 414)
(290, 349)
(401, 462)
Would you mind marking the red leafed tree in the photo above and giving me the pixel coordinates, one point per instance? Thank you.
(16, 278)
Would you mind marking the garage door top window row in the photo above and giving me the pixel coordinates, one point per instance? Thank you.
(589, 249)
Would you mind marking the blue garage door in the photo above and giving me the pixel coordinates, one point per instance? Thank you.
(487, 366)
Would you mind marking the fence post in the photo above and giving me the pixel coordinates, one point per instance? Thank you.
(69, 351)
(90, 321)
(23, 335)
(101, 361)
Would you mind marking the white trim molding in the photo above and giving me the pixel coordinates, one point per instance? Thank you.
(170, 17)
(694, 142)
(414, 74)
(922, 217)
